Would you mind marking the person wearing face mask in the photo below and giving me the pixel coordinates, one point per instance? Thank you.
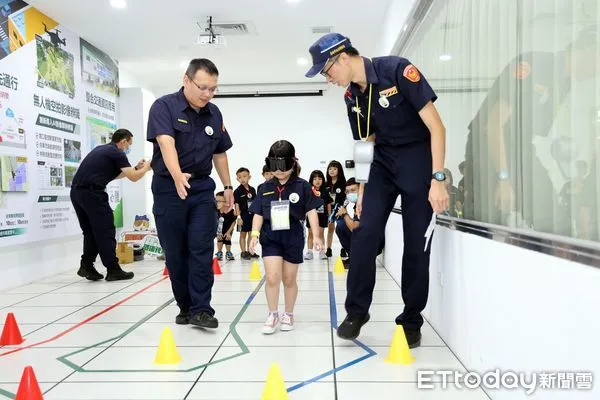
(347, 220)
(401, 142)
(90, 201)
(189, 137)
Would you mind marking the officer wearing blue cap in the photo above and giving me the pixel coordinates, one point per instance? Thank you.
(189, 136)
(390, 106)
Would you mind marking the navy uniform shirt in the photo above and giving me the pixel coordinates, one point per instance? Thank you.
(244, 197)
(102, 165)
(198, 134)
(323, 194)
(403, 91)
(298, 188)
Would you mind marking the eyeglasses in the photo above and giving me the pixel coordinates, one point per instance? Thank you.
(325, 72)
(280, 163)
(203, 88)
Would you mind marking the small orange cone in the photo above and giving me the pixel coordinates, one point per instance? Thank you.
(10, 334)
(216, 267)
(29, 388)
(166, 271)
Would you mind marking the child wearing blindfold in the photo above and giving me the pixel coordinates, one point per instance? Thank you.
(281, 206)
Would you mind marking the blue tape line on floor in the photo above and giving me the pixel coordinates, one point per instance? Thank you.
(334, 325)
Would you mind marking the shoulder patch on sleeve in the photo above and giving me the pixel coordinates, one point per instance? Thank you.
(412, 73)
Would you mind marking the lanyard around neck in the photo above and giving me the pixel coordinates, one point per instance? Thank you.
(368, 114)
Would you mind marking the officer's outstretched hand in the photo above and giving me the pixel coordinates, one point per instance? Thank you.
(438, 197)
(253, 243)
(181, 183)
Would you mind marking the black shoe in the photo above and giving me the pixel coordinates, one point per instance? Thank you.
(183, 318)
(346, 263)
(89, 272)
(204, 320)
(413, 337)
(118, 275)
(350, 328)
(328, 253)
(246, 255)
(343, 253)
(254, 255)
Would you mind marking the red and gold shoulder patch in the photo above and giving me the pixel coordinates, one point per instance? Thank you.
(412, 73)
(523, 70)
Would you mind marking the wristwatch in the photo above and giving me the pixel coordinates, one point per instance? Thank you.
(227, 187)
(439, 176)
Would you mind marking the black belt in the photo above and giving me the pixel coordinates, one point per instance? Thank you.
(88, 187)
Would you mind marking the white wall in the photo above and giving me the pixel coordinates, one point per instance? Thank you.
(393, 25)
(501, 306)
(317, 126)
(137, 198)
(30, 262)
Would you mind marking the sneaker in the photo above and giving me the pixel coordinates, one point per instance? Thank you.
(246, 255)
(287, 322)
(322, 255)
(271, 323)
(308, 255)
(229, 256)
(219, 255)
(255, 255)
(343, 253)
(89, 272)
(328, 253)
(204, 320)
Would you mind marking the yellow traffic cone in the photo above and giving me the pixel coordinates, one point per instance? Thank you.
(275, 386)
(255, 274)
(399, 352)
(339, 266)
(167, 351)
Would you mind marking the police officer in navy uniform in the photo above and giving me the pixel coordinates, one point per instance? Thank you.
(90, 201)
(389, 102)
(189, 136)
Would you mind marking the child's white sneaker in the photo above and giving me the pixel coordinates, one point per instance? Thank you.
(308, 255)
(270, 325)
(287, 322)
(322, 255)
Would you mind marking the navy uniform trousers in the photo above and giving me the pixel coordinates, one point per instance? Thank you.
(396, 170)
(96, 220)
(187, 229)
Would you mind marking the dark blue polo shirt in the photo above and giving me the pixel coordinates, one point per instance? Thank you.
(300, 191)
(198, 134)
(102, 165)
(404, 92)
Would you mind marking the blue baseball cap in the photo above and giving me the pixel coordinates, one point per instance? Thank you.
(325, 48)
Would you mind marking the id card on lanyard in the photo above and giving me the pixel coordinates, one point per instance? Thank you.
(280, 213)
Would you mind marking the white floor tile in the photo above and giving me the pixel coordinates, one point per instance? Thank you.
(395, 391)
(119, 391)
(253, 390)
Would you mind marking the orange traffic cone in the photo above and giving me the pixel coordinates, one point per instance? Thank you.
(10, 334)
(29, 388)
(216, 267)
(166, 271)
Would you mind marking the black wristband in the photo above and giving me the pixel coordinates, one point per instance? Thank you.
(227, 187)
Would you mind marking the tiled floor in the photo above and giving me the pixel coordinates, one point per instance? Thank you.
(97, 340)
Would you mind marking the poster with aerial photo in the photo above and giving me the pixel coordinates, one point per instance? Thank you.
(14, 174)
(98, 69)
(55, 67)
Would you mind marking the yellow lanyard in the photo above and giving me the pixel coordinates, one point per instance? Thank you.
(368, 114)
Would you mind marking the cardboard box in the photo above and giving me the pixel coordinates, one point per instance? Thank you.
(124, 253)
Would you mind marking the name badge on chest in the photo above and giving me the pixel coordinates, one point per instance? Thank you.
(280, 215)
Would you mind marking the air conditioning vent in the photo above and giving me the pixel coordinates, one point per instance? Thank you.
(321, 30)
(232, 29)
